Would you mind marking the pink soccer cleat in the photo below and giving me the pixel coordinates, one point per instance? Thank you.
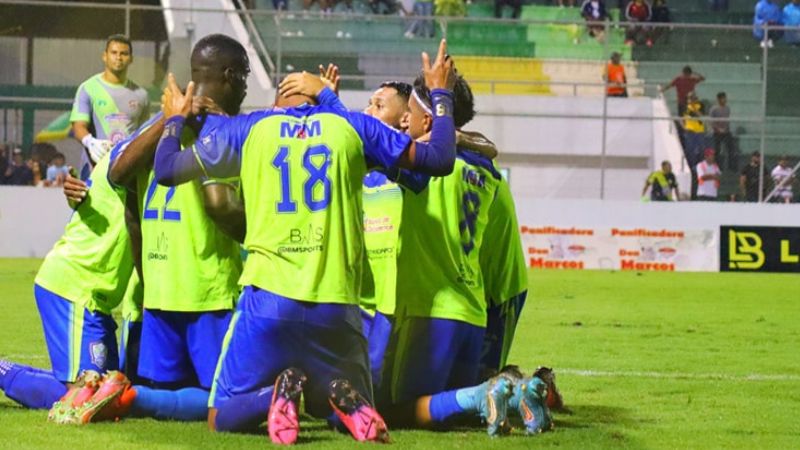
(282, 421)
(356, 413)
(111, 401)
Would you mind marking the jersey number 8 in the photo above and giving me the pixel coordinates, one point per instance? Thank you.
(317, 173)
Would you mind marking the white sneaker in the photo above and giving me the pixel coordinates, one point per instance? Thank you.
(762, 44)
(409, 35)
(770, 44)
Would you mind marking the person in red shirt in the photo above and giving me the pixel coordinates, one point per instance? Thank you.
(684, 84)
(638, 11)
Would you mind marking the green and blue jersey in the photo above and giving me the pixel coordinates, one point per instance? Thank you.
(91, 263)
(383, 209)
(113, 111)
(188, 263)
(301, 176)
(440, 243)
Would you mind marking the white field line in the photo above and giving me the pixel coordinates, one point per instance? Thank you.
(23, 357)
(679, 376)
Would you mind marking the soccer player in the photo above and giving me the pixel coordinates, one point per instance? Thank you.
(190, 265)
(442, 312)
(302, 169)
(108, 106)
(383, 207)
(80, 281)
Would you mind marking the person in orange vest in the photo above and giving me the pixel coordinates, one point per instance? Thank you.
(614, 76)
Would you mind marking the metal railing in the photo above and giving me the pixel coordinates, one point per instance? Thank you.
(273, 51)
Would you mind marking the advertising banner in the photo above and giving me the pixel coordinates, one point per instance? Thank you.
(759, 249)
(636, 249)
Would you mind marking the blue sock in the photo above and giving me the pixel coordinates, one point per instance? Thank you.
(188, 404)
(516, 397)
(243, 413)
(444, 405)
(30, 387)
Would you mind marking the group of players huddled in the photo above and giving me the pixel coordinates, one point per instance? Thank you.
(369, 263)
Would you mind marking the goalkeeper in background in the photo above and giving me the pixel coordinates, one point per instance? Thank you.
(108, 107)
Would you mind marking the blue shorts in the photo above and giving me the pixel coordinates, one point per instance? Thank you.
(270, 333)
(500, 327)
(77, 339)
(434, 355)
(377, 342)
(182, 347)
(129, 343)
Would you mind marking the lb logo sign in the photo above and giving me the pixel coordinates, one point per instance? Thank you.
(759, 249)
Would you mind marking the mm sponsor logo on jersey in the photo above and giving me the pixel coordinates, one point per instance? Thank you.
(159, 253)
(760, 249)
(303, 240)
(301, 130)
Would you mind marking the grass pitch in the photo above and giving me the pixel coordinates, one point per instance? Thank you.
(644, 360)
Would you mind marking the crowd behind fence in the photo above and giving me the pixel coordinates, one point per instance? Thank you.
(568, 59)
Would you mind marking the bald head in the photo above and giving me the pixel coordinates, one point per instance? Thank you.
(219, 69)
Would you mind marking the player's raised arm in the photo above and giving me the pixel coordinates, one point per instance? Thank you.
(171, 166)
(437, 156)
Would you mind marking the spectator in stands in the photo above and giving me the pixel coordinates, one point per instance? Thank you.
(421, 27)
(718, 5)
(708, 177)
(684, 84)
(782, 179)
(694, 129)
(662, 183)
(515, 5)
(768, 12)
(791, 18)
(18, 173)
(57, 172)
(748, 180)
(661, 16)
(694, 136)
(389, 6)
(38, 165)
(458, 8)
(638, 11)
(614, 76)
(3, 163)
(594, 12)
(324, 6)
(721, 126)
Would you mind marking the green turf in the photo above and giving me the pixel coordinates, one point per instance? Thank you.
(646, 361)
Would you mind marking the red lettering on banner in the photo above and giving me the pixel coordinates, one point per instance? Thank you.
(538, 251)
(641, 232)
(555, 230)
(541, 263)
(630, 264)
(623, 252)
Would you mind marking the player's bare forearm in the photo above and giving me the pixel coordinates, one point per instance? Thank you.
(75, 190)
(137, 157)
(80, 130)
(226, 209)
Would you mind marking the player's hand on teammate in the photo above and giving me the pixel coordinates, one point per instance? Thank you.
(205, 105)
(301, 83)
(442, 73)
(330, 76)
(174, 102)
(74, 189)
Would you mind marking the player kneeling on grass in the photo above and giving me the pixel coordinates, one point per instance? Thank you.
(184, 323)
(82, 279)
(301, 168)
(441, 310)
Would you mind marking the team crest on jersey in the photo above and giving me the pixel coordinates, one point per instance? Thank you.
(99, 353)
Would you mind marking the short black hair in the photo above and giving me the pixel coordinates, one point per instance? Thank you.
(463, 101)
(722, 94)
(122, 39)
(59, 155)
(687, 70)
(220, 48)
(755, 153)
(403, 89)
